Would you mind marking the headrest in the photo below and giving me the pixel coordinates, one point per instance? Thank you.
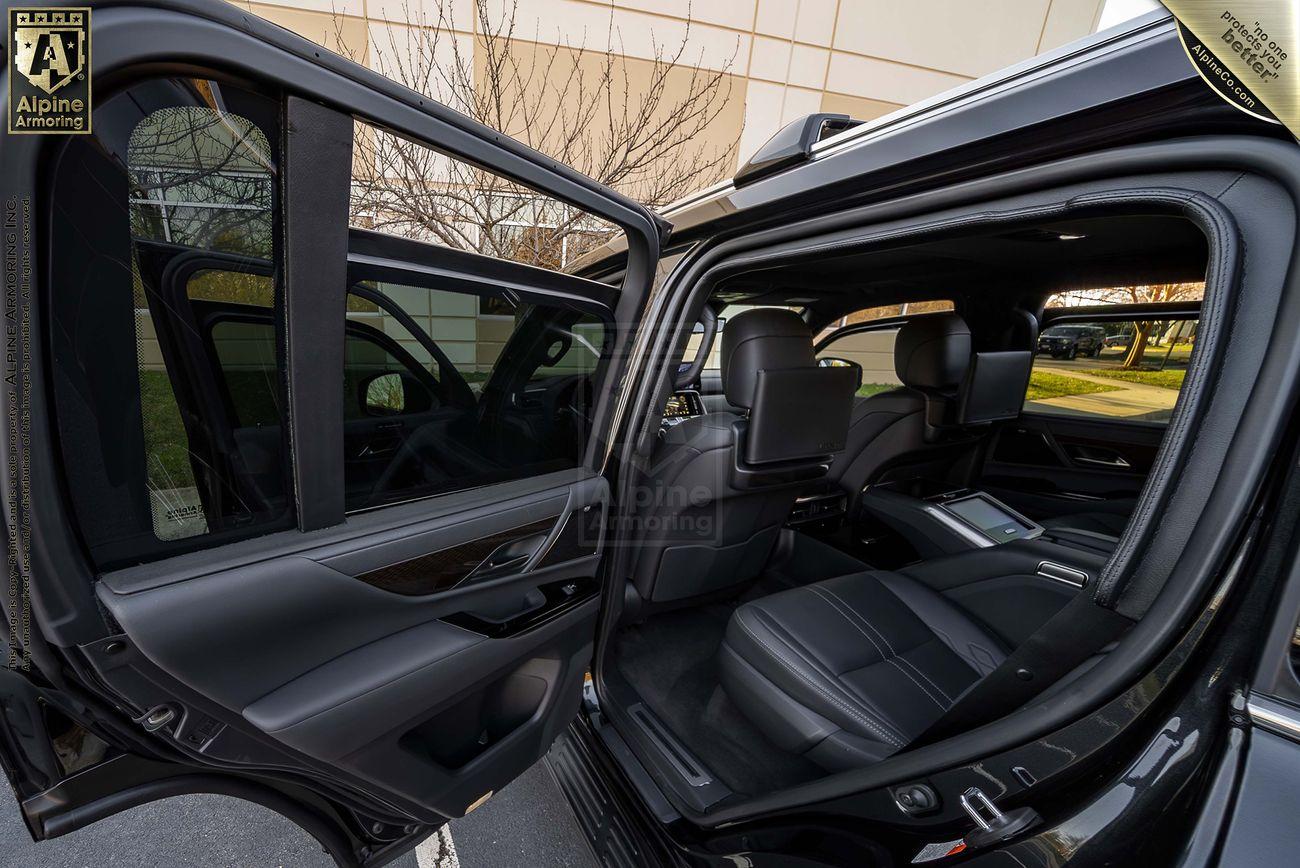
(932, 352)
(762, 338)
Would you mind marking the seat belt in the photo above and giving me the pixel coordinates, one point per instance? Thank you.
(1078, 631)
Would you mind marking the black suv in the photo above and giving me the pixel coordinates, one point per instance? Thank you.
(1068, 342)
(758, 523)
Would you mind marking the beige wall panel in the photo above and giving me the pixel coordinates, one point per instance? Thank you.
(462, 355)
(890, 82)
(770, 59)
(343, 7)
(319, 27)
(815, 22)
(421, 62)
(777, 18)
(762, 116)
(448, 328)
(956, 36)
(636, 34)
(459, 14)
(716, 139)
(797, 103)
(808, 66)
(856, 106)
(1068, 20)
(738, 14)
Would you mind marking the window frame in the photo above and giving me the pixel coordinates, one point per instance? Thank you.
(218, 388)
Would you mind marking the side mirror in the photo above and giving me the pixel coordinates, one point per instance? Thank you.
(391, 393)
(832, 362)
(382, 394)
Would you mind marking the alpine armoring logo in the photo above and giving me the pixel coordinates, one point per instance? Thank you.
(49, 74)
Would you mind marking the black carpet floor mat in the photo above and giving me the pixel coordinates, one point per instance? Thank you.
(671, 661)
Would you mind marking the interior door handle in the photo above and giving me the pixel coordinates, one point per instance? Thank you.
(508, 557)
(1098, 457)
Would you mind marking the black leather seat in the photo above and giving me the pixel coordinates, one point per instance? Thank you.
(926, 424)
(718, 487)
(849, 670)
(931, 357)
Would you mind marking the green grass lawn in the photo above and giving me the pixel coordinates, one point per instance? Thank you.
(866, 390)
(164, 435)
(1172, 379)
(1044, 384)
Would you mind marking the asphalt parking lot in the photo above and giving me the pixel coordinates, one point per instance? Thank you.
(527, 824)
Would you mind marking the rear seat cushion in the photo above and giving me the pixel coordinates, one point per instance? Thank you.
(849, 670)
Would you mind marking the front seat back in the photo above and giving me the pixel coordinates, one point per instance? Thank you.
(931, 357)
(719, 487)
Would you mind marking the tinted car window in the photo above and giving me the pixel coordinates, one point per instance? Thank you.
(1125, 371)
(441, 395)
(172, 203)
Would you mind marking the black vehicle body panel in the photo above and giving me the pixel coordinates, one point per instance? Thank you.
(1168, 738)
(1128, 85)
(1132, 88)
(95, 678)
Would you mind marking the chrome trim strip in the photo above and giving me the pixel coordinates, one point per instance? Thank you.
(1276, 717)
(809, 498)
(1063, 574)
(960, 528)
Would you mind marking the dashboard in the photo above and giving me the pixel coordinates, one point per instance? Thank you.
(682, 406)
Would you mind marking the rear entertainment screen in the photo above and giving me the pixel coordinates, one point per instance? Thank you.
(683, 405)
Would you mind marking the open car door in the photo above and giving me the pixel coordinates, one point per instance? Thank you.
(302, 514)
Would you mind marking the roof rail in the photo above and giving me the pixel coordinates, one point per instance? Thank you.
(791, 145)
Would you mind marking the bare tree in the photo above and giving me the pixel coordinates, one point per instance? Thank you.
(640, 126)
(201, 178)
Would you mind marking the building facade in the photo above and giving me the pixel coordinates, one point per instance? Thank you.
(780, 60)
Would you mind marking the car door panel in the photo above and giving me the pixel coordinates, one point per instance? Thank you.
(248, 646)
(1040, 465)
(307, 652)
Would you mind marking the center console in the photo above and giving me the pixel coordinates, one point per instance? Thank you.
(943, 519)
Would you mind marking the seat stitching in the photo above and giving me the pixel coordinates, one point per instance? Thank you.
(815, 664)
(847, 689)
(884, 658)
(880, 728)
(965, 656)
(893, 657)
(898, 656)
(919, 671)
